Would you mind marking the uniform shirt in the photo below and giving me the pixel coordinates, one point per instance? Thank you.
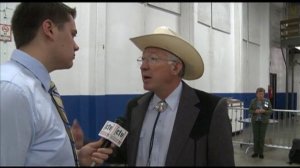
(32, 132)
(163, 130)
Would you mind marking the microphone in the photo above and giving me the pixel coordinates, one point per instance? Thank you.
(113, 132)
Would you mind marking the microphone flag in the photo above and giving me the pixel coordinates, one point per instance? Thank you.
(113, 132)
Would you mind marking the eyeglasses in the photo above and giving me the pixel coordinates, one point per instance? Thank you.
(152, 60)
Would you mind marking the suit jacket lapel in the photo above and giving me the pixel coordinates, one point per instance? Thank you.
(187, 114)
(138, 114)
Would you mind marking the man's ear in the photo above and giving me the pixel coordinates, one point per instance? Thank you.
(175, 68)
(47, 28)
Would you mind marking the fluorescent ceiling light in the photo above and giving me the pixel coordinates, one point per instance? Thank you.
(298, 47)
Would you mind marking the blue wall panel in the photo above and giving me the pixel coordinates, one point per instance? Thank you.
(93, 111)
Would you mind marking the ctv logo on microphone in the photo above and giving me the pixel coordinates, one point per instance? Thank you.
(113, 132)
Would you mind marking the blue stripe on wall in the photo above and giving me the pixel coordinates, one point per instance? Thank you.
(93, 111)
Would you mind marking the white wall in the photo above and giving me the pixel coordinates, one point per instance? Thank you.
(6, 48)
(237, 61)
(255, 46)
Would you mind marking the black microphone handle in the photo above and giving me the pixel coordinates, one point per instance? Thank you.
(106, 144)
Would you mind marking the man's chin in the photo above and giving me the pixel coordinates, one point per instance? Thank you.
(146, 87)
(69, 66)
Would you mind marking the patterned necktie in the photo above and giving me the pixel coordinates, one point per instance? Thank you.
(60, 108)
(160, 107)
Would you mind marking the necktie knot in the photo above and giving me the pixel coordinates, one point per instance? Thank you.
(53, 89)
(57, 100)
(161, 106)
(52, 86)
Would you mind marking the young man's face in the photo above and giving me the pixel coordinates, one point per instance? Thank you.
(65, 46)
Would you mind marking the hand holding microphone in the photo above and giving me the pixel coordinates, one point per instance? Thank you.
(93, 153)
(113, 132)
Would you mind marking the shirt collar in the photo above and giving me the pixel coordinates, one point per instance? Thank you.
(172, 100)
(33, 65)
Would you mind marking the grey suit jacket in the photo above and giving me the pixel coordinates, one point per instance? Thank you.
(201, 134)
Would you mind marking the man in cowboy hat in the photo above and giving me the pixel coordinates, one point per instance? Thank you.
(193, 129)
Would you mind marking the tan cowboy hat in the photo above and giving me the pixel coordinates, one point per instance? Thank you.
(165, 38)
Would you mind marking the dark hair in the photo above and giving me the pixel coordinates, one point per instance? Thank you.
(28, 17)
(260, 89)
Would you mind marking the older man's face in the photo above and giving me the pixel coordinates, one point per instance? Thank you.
(156, 69)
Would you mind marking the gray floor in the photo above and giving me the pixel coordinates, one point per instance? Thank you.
(272, 157)
(280, 134)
